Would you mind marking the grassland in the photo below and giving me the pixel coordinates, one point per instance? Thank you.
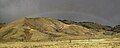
(94, 43)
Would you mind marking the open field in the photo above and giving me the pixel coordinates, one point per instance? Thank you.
(101, 43)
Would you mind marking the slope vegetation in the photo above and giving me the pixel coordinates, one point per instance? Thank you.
(43, 29)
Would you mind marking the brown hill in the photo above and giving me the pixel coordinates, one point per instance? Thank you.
(41, 29)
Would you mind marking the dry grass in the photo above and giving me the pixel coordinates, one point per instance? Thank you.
(101, 43)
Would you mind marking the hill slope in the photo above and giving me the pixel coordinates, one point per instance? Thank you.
(41, 29)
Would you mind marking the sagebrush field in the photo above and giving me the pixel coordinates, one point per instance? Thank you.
(100, 43)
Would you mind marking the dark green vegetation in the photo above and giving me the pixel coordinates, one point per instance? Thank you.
(2, 25)
(89, 25)
(44, 29)
(116, 29)
(92, 25)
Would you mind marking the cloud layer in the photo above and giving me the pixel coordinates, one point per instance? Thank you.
(101, 11)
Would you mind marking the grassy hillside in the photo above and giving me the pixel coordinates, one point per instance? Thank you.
(44, 29)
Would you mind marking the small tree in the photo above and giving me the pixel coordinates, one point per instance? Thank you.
(70, 41)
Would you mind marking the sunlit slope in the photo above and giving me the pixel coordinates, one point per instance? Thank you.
(41, 29)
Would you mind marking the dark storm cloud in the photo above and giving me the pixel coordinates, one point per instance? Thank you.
(101, 11)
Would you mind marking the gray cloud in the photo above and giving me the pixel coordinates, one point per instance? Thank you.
(101, 11)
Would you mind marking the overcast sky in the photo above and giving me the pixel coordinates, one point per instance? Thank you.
(100, 11)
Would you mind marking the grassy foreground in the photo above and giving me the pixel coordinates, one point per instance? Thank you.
(101, 43)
